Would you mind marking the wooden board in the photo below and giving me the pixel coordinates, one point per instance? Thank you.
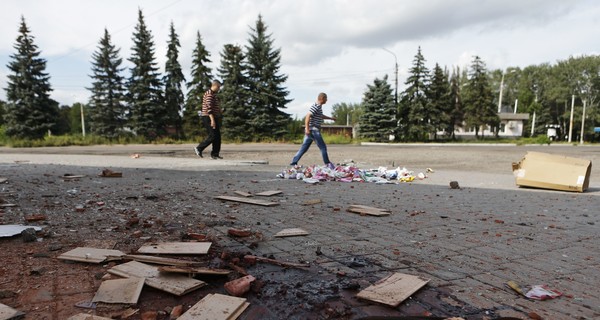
(367, 207)
(366, 210)
(176, 284)
(119, 291)
(7, 312)
(160, 260)
(176, 248)
(85, 316)
(194, 270)
(243, 193)
(292, 232)
(269, 193)
(394, 289)
(71, 177)
(216, 307)
(249, 201)
(312, 201)
(91, 255)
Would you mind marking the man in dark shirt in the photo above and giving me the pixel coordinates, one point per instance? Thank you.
(212, 119)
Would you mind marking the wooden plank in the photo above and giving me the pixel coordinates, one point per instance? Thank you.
(176, 248)
(249, 201)
(366, 210)
(292, 232)
(243, 193)
(160, 260)
(119, 291)
(194, 270)
(85, 316)
(91, 255)
(269, 193)
(216, 307)
(73, 176)
(393, 289)
(312, 201)
(370, 208)
(7, 312)
(176, 284)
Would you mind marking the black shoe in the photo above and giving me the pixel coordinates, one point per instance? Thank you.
(198, 152)
(216, 157)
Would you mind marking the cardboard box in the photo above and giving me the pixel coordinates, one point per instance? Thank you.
(549, 171)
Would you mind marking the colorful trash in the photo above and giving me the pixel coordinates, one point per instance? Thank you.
(350, 173)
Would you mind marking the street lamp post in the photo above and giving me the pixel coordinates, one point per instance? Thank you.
(396, 70)
(500, 94)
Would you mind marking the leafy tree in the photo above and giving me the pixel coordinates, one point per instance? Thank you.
(173, 79)
(200, 82)
(234, 95)
(64, 121)
(479, 99)
(148, 113)
(440, 106)
(347, 113)
(106, 104)
(414, 117)
(456, 111)
(378, 120)
(267, 95)
(30, 113)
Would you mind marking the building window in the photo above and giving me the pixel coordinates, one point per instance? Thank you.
(503, 127)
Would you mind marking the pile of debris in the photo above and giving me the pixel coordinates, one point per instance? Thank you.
(351, 173)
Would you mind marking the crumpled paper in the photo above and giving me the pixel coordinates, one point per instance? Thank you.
(350, 173)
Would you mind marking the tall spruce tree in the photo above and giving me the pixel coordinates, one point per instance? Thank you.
(174, 98)
(267, 94)
(438, 109)
(106, 105)
(200, 82)
(30, 112)
(480, 110)
(456, 104)
(234, 95)
(414, 117)
(148, 113)
(378, 120)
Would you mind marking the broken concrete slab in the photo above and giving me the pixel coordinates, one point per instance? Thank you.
(176, 284)
(8, 313)
(292, 232)
(216, 307)
(119, 291)
(92, 255)
(176, 248)
(248, 201)
(10, 230)
(393, 289)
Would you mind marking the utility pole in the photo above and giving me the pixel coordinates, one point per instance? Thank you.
(571, 118)
(582, 123)
(396, 72)
(500, 95)
(82, 120)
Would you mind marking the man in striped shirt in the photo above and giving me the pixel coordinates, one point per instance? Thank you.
(312, 131)
(212, 118)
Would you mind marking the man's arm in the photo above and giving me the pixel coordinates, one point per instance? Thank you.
(306, 122)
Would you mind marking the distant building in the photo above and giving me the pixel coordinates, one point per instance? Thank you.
(511, 126)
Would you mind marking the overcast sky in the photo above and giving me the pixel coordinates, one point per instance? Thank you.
(326, 45)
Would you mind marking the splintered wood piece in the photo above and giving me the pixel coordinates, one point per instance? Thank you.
(119, 291)
(216, 307)
(269, 193)
(366, 210)
(176, 284)
(7, 312)
(85, 316)
(72, 176)
(249, 201)
(91, 255)
(243, 193)
(393, 289)
(291, 232)
(160, 260)
(176, 248)
(312, 201)
(194, 270)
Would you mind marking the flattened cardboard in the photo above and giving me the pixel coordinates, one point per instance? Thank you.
(249, 201)
(7, 312)
(177, 248)
(394, 289)
(119, 291)
(550, 171)
(216, 307)
(91, 255)
(292, 232)
(85, 316)
(176, 284)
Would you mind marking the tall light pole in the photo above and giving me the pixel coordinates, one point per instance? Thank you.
(571, 117)
(582, 123)
(396, 70)
(500, 94)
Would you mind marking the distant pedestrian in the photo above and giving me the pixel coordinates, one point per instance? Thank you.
(312, 131)
(212, 118)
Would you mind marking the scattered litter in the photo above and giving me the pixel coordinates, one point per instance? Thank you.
(173, 283)
(250, 259)
(176, 248)
(135, 156)
(86, 305)
(366, 210)
(393, 289)
(107, 173)
(85, 316)
(269, 193)
(549, 171)
(216, 307)
(454, 185)
(35, 217)
(249, 201)
(194, 270)
(243, 193)
(310, 180)
(429, 170)
(536, 292)
(128, 313)
(312, 201)
(119, 291)
(9, 230)
(292, 232)
(68, 176)
(239, 286)
(350, 173)
(7, 313)
(91, 255)
(160, 260)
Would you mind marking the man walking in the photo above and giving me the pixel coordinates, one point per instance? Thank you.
(312, 131)
(212, 118)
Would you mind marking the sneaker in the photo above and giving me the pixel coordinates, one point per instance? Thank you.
(198, 152)
(216, 157)
(331, 166)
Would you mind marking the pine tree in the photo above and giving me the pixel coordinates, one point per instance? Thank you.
(439, 105)
(234, 95)
(200, 82)
(267, 94)
(414, 116)
(30, 112)
(378, 120)
(456, 104)
(479, 99)
(148, 113)
(174, 98)
(106, 105)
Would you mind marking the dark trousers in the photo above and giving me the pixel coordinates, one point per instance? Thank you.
(213, 137)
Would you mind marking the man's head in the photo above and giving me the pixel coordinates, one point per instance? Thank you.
(215, 86)
(322, 98)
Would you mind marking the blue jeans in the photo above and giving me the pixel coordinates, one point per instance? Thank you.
(315, 134)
